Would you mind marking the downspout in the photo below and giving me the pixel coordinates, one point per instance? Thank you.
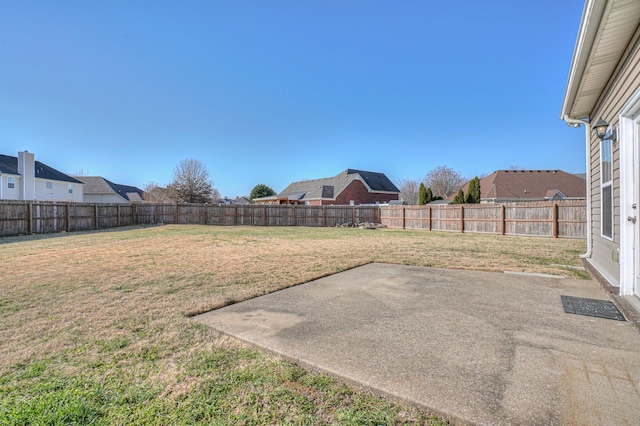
(587, 136)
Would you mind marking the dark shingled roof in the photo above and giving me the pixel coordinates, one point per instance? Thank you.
(331, 187)
(9, 164)
(376, 181)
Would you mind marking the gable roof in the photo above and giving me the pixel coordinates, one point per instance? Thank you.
(329, 188)
(9, 164)
(100, 185)
(530, 184)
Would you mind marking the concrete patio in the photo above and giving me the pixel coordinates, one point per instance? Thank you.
(472, 347)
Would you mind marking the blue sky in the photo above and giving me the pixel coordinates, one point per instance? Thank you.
(280, 91)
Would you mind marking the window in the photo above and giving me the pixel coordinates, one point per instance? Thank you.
(11, 182)
(70, 188)
(606, 186)
(49, 185)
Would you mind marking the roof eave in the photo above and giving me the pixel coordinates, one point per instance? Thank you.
(606, 29)
(581, 52)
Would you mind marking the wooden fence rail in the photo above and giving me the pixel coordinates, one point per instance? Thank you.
(23, 217)
(557, 220)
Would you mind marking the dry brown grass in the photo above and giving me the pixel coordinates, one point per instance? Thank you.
(97, 298)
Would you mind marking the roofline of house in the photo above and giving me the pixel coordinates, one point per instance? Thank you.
(506, 199)
(594, 62)
(591, 16)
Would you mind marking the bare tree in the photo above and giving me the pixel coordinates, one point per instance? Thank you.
(408, 190)
(191, 183)
(215, 196)
(443, 181)
(154, 193)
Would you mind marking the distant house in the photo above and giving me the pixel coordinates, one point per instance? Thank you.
(100, 190)
(604, 84)
(233, 201)
(23, 178)
(351, 187)
(530, 185)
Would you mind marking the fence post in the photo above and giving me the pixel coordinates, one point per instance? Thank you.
(503, 224)
(554, 218)
(68, 217)
(235, 215)
(353, 214)
(155, 213)
(176, 213)
(324, 215)
(30, 218)
(403, 217)
(95, 216)
(429, 212)
(118, 214)
(462, 219)
(206, 214)
(293, 213)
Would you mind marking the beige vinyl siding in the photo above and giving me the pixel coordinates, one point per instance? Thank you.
(621, 87)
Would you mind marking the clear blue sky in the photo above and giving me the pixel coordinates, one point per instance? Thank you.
(279, 91)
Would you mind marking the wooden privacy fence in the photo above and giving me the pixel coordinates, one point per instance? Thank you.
(22, 217)
(562, 219)
(557, 220)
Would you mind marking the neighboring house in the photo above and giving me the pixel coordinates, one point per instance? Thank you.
(234, 201)
(604, 82)
(23, 178)
(529, 185)
(100, 190)
(351, 187)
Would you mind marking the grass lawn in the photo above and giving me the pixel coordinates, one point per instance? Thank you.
(95, 328)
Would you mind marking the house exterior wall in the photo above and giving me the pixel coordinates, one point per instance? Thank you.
(7, 193)
(359, 193)
(59, 191)
(624, 83)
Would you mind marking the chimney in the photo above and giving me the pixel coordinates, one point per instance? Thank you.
(27, 169)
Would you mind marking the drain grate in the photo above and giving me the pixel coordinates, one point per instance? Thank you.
(591, 307)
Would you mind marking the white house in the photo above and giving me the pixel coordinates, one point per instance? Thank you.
(603, 95)
(23, 178)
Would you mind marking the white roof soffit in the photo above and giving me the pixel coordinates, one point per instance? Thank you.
(605, 31)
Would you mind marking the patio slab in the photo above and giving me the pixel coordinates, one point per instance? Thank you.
(473, 347)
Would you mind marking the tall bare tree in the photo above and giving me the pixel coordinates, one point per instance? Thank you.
(443, 181)
(408, 190)
(191, 183)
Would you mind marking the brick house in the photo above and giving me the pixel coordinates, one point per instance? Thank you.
(351, 187)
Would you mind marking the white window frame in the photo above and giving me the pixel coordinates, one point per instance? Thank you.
(606, 182)
(49, 185)
(70, 188)
(11, 182)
